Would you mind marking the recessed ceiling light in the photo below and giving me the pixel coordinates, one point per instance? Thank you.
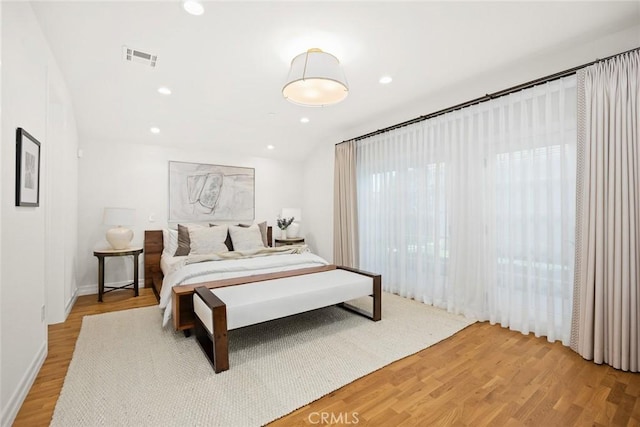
(304, 120)
(154, 130)
(164, 90)
(193, 7)
(270, 147)
(385, 80)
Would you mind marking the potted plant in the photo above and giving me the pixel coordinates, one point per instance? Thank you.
(283, 224)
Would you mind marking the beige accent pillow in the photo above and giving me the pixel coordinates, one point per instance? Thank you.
(246, 238)
(184, 241)
(263, 231)
(208, 240)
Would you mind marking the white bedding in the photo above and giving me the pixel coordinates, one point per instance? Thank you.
(179, 272)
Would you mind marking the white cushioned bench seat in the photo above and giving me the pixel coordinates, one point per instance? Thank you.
(253, 303)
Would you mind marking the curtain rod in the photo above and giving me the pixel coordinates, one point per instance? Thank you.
(487, 97)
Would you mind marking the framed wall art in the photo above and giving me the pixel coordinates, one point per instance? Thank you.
(203, 192)
(27, 169)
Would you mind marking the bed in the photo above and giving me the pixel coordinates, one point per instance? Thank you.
(174, 279)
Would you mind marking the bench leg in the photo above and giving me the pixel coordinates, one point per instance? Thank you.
(215, 346)
(377, 298)
(376, 309)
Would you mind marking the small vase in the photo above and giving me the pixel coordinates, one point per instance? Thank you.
(283, 234)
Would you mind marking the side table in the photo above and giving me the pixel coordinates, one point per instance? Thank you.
(292, 241)
(102, 254)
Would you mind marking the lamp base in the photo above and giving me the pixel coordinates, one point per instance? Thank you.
(293, 230)
(119, 237)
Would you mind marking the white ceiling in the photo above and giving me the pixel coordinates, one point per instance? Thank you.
(226, 68)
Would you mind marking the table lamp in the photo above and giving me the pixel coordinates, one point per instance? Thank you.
(119, 237)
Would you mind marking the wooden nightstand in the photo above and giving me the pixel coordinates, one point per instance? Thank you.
(293, 241)
(101, 254)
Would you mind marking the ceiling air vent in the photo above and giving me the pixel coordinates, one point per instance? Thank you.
(139, 56)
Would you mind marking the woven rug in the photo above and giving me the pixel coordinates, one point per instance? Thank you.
(128, 371)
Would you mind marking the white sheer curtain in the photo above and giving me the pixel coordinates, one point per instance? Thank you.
(474, 211)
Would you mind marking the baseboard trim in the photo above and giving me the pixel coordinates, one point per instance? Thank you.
(70, 304)
(92, 289)
(87, 290)
(10, 412)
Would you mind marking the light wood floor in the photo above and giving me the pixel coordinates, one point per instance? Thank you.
(484, 375)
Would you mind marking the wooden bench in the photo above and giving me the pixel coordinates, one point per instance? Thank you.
(182, 296)
(218, 310)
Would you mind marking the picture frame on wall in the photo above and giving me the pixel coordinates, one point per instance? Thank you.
(204, 192)
(27, 169)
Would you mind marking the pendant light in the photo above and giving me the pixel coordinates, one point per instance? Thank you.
(315, 79)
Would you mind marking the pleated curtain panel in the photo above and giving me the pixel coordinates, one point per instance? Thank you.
(345, 218)
(606, 323)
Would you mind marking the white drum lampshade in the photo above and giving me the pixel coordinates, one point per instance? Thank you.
(294, 229)
(119, 237)
(315, 79)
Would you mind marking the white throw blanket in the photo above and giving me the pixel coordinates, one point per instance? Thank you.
(204, 268)
(292, 249)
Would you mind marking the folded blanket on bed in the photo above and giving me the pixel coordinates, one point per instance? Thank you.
(221, 256)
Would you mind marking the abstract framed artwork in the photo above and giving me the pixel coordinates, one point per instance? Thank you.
(27, 169)
(203, 192)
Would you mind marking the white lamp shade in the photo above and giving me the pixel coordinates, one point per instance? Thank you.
(296, 213)
(315, 79)
(119, 216)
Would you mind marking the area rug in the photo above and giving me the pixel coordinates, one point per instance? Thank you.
(128, 371)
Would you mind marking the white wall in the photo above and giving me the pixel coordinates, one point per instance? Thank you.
(318, 178)
(318, 201)
(125, 174)
(34, 97)
(1, 192)
(60, 200)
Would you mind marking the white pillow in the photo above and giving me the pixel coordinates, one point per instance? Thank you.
(208, 240)
(169, 241)
(246, 238)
